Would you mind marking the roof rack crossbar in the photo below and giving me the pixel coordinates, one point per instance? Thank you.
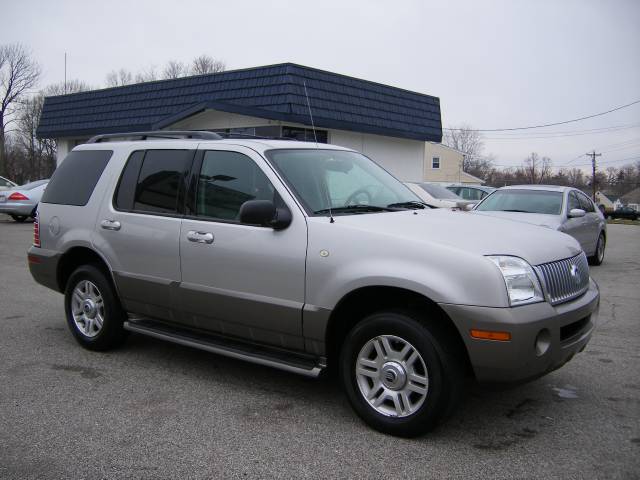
(168, 134)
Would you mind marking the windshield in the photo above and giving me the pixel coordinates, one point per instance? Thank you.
(32, 185)
(526, 201)
(345, 181)
(438, 191)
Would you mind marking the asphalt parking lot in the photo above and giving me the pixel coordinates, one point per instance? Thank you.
(158, 410)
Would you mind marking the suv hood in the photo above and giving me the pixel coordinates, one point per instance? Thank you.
(479, 234)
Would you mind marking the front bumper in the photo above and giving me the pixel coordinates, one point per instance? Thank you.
(567, 327)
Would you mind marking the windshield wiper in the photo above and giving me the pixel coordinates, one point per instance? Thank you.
(355, 208)
(519, 211)
(412, 204)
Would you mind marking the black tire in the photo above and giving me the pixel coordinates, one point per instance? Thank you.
(111, 334)
(19, 218)
(598, 256)
(444, 371)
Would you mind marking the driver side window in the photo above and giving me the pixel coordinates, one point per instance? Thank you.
(226, 181)
(573, 202)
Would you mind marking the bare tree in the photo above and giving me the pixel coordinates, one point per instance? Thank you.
(536, 169)
(62, 88)
(174, 69)
(119, 78)
(206, 64)
(18, 73)
(149, 74)
(468, 141)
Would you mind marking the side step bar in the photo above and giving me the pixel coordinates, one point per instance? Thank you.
(301, 365)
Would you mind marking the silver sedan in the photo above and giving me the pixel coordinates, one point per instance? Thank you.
(21, 202)
(564, 209)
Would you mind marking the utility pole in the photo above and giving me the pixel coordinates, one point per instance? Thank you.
(593, 156)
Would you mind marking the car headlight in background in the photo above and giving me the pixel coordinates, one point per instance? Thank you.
(522, 283)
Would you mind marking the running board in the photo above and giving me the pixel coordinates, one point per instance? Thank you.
(301, 365)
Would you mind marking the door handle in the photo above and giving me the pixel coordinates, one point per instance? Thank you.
(110, 224)
(200, 237)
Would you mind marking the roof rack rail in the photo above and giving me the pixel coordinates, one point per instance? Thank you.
(249, 136)
(167, 134)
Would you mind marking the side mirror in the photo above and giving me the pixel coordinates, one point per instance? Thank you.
(264, 213)
(576, 213)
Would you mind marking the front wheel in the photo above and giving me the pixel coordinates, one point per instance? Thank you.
(399, 374)
(598, 256)
(94, 314)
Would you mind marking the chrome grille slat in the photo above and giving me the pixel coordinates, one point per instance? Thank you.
(559, 284)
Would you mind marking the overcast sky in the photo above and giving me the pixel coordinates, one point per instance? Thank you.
(494, 64)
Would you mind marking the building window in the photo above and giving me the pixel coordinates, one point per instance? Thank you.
(435, 162)
(305, 134)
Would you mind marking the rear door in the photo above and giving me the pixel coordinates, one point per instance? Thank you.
(139, 227)
(241, 280)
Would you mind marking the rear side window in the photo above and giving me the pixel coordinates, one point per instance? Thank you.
(153, 181)
(74, 180)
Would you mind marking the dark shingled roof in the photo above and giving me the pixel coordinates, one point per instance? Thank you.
(273, 92)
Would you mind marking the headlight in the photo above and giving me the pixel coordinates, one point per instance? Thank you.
(522, 283)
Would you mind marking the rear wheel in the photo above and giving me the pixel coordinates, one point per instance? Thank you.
(399, 373)
(598, 256)
(19, 218)
(94, 314)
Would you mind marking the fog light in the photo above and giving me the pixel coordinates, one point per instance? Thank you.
(543, 342)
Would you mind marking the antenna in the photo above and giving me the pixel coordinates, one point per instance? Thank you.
(65, 72)
(315, 137)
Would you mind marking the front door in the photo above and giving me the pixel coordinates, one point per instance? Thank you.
(576, 226)
(241, 280)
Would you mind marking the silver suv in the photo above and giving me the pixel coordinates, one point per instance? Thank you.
(304, 257)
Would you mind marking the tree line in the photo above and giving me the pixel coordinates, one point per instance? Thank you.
(536, 169)
(25, 157)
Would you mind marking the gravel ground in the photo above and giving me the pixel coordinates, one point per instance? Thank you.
(157, 410)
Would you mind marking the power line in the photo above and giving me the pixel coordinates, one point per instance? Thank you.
(575, 133)
(546, 124)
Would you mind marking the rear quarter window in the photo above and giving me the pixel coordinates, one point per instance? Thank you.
(74, 180)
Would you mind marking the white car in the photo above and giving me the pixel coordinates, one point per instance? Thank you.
(22, 202)
(6, 184)
(437, 196)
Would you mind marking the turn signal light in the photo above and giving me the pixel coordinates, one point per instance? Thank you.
(17, 196)
(491, 335)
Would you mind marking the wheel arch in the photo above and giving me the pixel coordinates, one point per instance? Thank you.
(74, 258)
(359, 303)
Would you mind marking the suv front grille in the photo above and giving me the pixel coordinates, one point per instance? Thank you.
(565, 279)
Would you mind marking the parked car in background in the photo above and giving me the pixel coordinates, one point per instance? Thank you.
(21, 202)
(625, 212)
(6, 184)
(475, 193)
(437, 196)
(564, 209)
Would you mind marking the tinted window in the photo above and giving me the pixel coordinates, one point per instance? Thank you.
(126, 191)
(160, 180)
(525, 201)
(74, 180)
(227, 180)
